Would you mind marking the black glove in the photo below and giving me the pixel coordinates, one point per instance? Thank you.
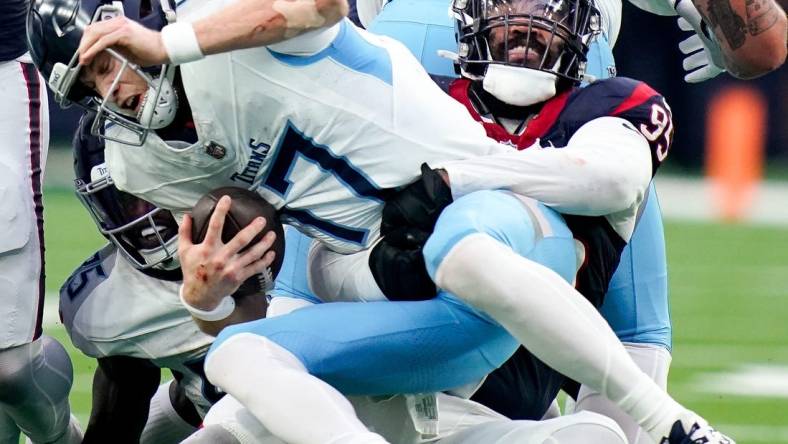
(398, 266)
(418, 205)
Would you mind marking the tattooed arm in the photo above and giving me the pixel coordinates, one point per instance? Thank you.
(752, 34)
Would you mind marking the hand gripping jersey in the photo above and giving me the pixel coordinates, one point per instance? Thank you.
(320, 125)
(110, 308)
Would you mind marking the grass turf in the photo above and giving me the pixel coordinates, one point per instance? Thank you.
(728, 286)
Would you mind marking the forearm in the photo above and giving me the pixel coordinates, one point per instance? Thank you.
(605, 168)
(751, 33)
(252, 23)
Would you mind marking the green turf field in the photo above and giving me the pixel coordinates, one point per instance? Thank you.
(729, 288)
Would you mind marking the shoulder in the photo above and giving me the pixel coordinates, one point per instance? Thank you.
(622, 97)
(612, 95)
(84, 282)
(122, 311)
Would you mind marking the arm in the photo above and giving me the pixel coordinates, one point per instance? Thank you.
(122, 390)
(242, 24)
(604, 168)
(751, 33)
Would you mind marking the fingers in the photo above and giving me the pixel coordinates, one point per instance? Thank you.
(258, 250)
(691, 44)
(185, 233)
(684, 24)
(216, 222)
(243, 237)
(88, 47)
(104, 42)
(695, 61)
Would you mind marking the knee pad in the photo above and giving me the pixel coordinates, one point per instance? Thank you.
(40, 369)
(242, 348)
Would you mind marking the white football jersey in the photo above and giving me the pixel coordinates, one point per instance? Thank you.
(109, 308)
(320, 124)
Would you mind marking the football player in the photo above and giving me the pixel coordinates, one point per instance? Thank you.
(133, 284)
(337, 202)
(121, 308)
(35, 370)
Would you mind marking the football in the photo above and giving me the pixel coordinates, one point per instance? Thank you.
(246, 206)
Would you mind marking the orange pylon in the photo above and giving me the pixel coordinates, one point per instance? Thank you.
(735, 139)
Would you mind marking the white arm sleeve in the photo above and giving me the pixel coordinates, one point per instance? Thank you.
(604, 168)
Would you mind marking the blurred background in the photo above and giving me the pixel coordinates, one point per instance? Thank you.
(724, 194)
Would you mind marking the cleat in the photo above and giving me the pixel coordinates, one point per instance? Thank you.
(699, 433)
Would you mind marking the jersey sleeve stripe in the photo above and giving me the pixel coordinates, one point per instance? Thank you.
(639, 96)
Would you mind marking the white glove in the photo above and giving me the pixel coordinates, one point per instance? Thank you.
(704, 56)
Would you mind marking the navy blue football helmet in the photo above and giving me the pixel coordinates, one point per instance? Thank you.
(145, 234)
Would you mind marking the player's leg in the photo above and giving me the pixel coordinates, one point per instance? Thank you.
(636, 307)
(544, 312)
(583, 427)
(654, 360)
(278, 390)
(229, 422)
(35, 379)
(165, 424)
(35, 372)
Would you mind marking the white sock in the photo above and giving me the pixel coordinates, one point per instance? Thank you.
(164, 425)
(276, 387)
(555, 323)
(654, 360)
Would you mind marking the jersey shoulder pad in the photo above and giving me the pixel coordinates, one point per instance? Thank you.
(80, 285)
(634, 101)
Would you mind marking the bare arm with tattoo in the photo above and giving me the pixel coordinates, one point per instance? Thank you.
(752, 34)
(242, 24)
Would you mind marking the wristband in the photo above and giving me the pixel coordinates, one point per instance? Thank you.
(181, 44)
(222, 311)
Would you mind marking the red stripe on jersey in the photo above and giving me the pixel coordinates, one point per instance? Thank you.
(543, 121)
(639, 96)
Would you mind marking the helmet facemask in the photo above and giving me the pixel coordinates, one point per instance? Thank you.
(144, 233)
(524, 50)
(159, 103)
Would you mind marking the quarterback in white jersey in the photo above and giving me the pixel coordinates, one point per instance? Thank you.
(336, 100)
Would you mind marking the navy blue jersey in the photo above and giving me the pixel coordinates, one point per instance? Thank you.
(531, 384)
(12, 29)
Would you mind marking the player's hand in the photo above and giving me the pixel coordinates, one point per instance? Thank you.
(704, 59)
(139, 44)
(398, 266)
(418, 205)
(213, 269)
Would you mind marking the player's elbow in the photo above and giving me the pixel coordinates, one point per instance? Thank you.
(332, 10)
(768, 55)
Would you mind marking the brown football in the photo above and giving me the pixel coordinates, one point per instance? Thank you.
(246, 206)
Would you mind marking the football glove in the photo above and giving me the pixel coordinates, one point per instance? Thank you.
(398, 266)
(704, 59)
(418, 205)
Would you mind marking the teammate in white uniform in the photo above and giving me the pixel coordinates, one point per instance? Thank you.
(336, 202)
(35, 370)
